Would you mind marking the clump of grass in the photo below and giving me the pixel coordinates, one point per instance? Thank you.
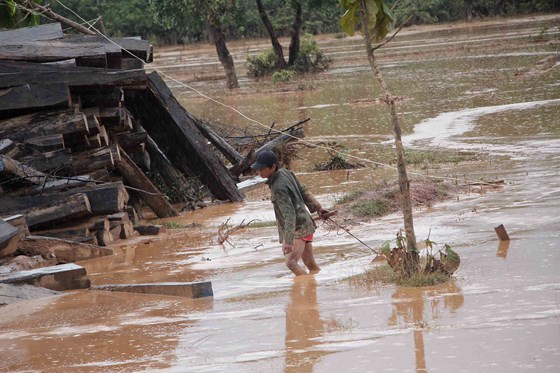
(423, 279)
(415, 157)
(386, 275)
(173, 225)
(349, 197)
(372, 208)
(377, 275)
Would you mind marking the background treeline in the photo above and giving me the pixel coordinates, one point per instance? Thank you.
(241, 20)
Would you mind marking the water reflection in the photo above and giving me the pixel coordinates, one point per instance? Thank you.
(503, 247)
(409, 309)
(303, 326)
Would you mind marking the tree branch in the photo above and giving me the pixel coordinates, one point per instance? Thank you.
(34, 7)
(392, 36)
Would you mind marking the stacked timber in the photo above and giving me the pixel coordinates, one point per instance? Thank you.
(88, 139)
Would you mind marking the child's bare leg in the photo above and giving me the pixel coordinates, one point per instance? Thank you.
(293, 258)
(308, 258)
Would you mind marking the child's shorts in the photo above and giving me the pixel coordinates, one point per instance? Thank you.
(308, 238)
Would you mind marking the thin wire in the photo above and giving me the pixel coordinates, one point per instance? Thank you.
(254, 120)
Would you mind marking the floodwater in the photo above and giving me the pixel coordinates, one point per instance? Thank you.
(462, 90)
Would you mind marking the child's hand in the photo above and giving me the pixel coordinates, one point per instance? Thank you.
(323, 213)
(287, 248)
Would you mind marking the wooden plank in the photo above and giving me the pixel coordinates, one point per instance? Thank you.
(72, 208)
(150, 194)
(45, 143)
(175, 132)
(32, 97)
(50, 31)
(48, 161)
(9, 239)
(46, 123)
(61, 277)
(130, 46)
(18, 221)
(80, 78)
(226, 149)
(49, 51)
(177, 289)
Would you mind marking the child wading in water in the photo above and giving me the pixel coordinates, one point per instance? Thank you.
(295, 224)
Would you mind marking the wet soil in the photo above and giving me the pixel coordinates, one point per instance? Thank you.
(499, 314)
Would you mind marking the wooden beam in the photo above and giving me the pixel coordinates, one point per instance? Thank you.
(48, 31)
(9, 239)
(79, 78)
(32, 97)
(72, 208)
(149, 193)
(175, 132)
(50, 51)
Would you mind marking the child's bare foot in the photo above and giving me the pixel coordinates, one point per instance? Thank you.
(313, 271)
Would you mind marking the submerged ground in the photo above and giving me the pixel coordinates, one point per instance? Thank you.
(474, 89)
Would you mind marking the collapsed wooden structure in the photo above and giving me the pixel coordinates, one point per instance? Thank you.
(87, 137)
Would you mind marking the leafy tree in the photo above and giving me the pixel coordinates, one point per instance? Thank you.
(184, 14)
(376, 21)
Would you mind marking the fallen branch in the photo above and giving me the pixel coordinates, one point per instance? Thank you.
(224, 231)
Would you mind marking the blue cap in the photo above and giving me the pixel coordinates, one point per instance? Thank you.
(265, 159)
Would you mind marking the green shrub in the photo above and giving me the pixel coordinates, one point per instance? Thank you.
(262, 64)
(310, 57)
(283, 76)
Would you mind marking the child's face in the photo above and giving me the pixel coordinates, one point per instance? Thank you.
(266, 172)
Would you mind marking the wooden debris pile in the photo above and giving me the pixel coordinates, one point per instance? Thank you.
(87, 138)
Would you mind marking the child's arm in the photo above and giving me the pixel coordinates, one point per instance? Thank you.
(310, 201)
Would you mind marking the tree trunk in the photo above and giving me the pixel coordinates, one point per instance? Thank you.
(468, 6)
(278, 51)
(221, 48)
(296, 27)
(404, 183)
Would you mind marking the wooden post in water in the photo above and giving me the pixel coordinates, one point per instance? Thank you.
(501, 232)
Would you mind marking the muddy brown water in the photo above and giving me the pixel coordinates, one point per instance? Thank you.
(462, 91)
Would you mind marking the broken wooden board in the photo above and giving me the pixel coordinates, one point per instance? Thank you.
(66, 251)
(177, 289)
(61, 277)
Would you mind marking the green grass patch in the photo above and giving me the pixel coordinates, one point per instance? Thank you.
(173, 225)
(376, 276)
(423, 279)
(350, 197)
(416, 157)
(384, 275)
(373, 208)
